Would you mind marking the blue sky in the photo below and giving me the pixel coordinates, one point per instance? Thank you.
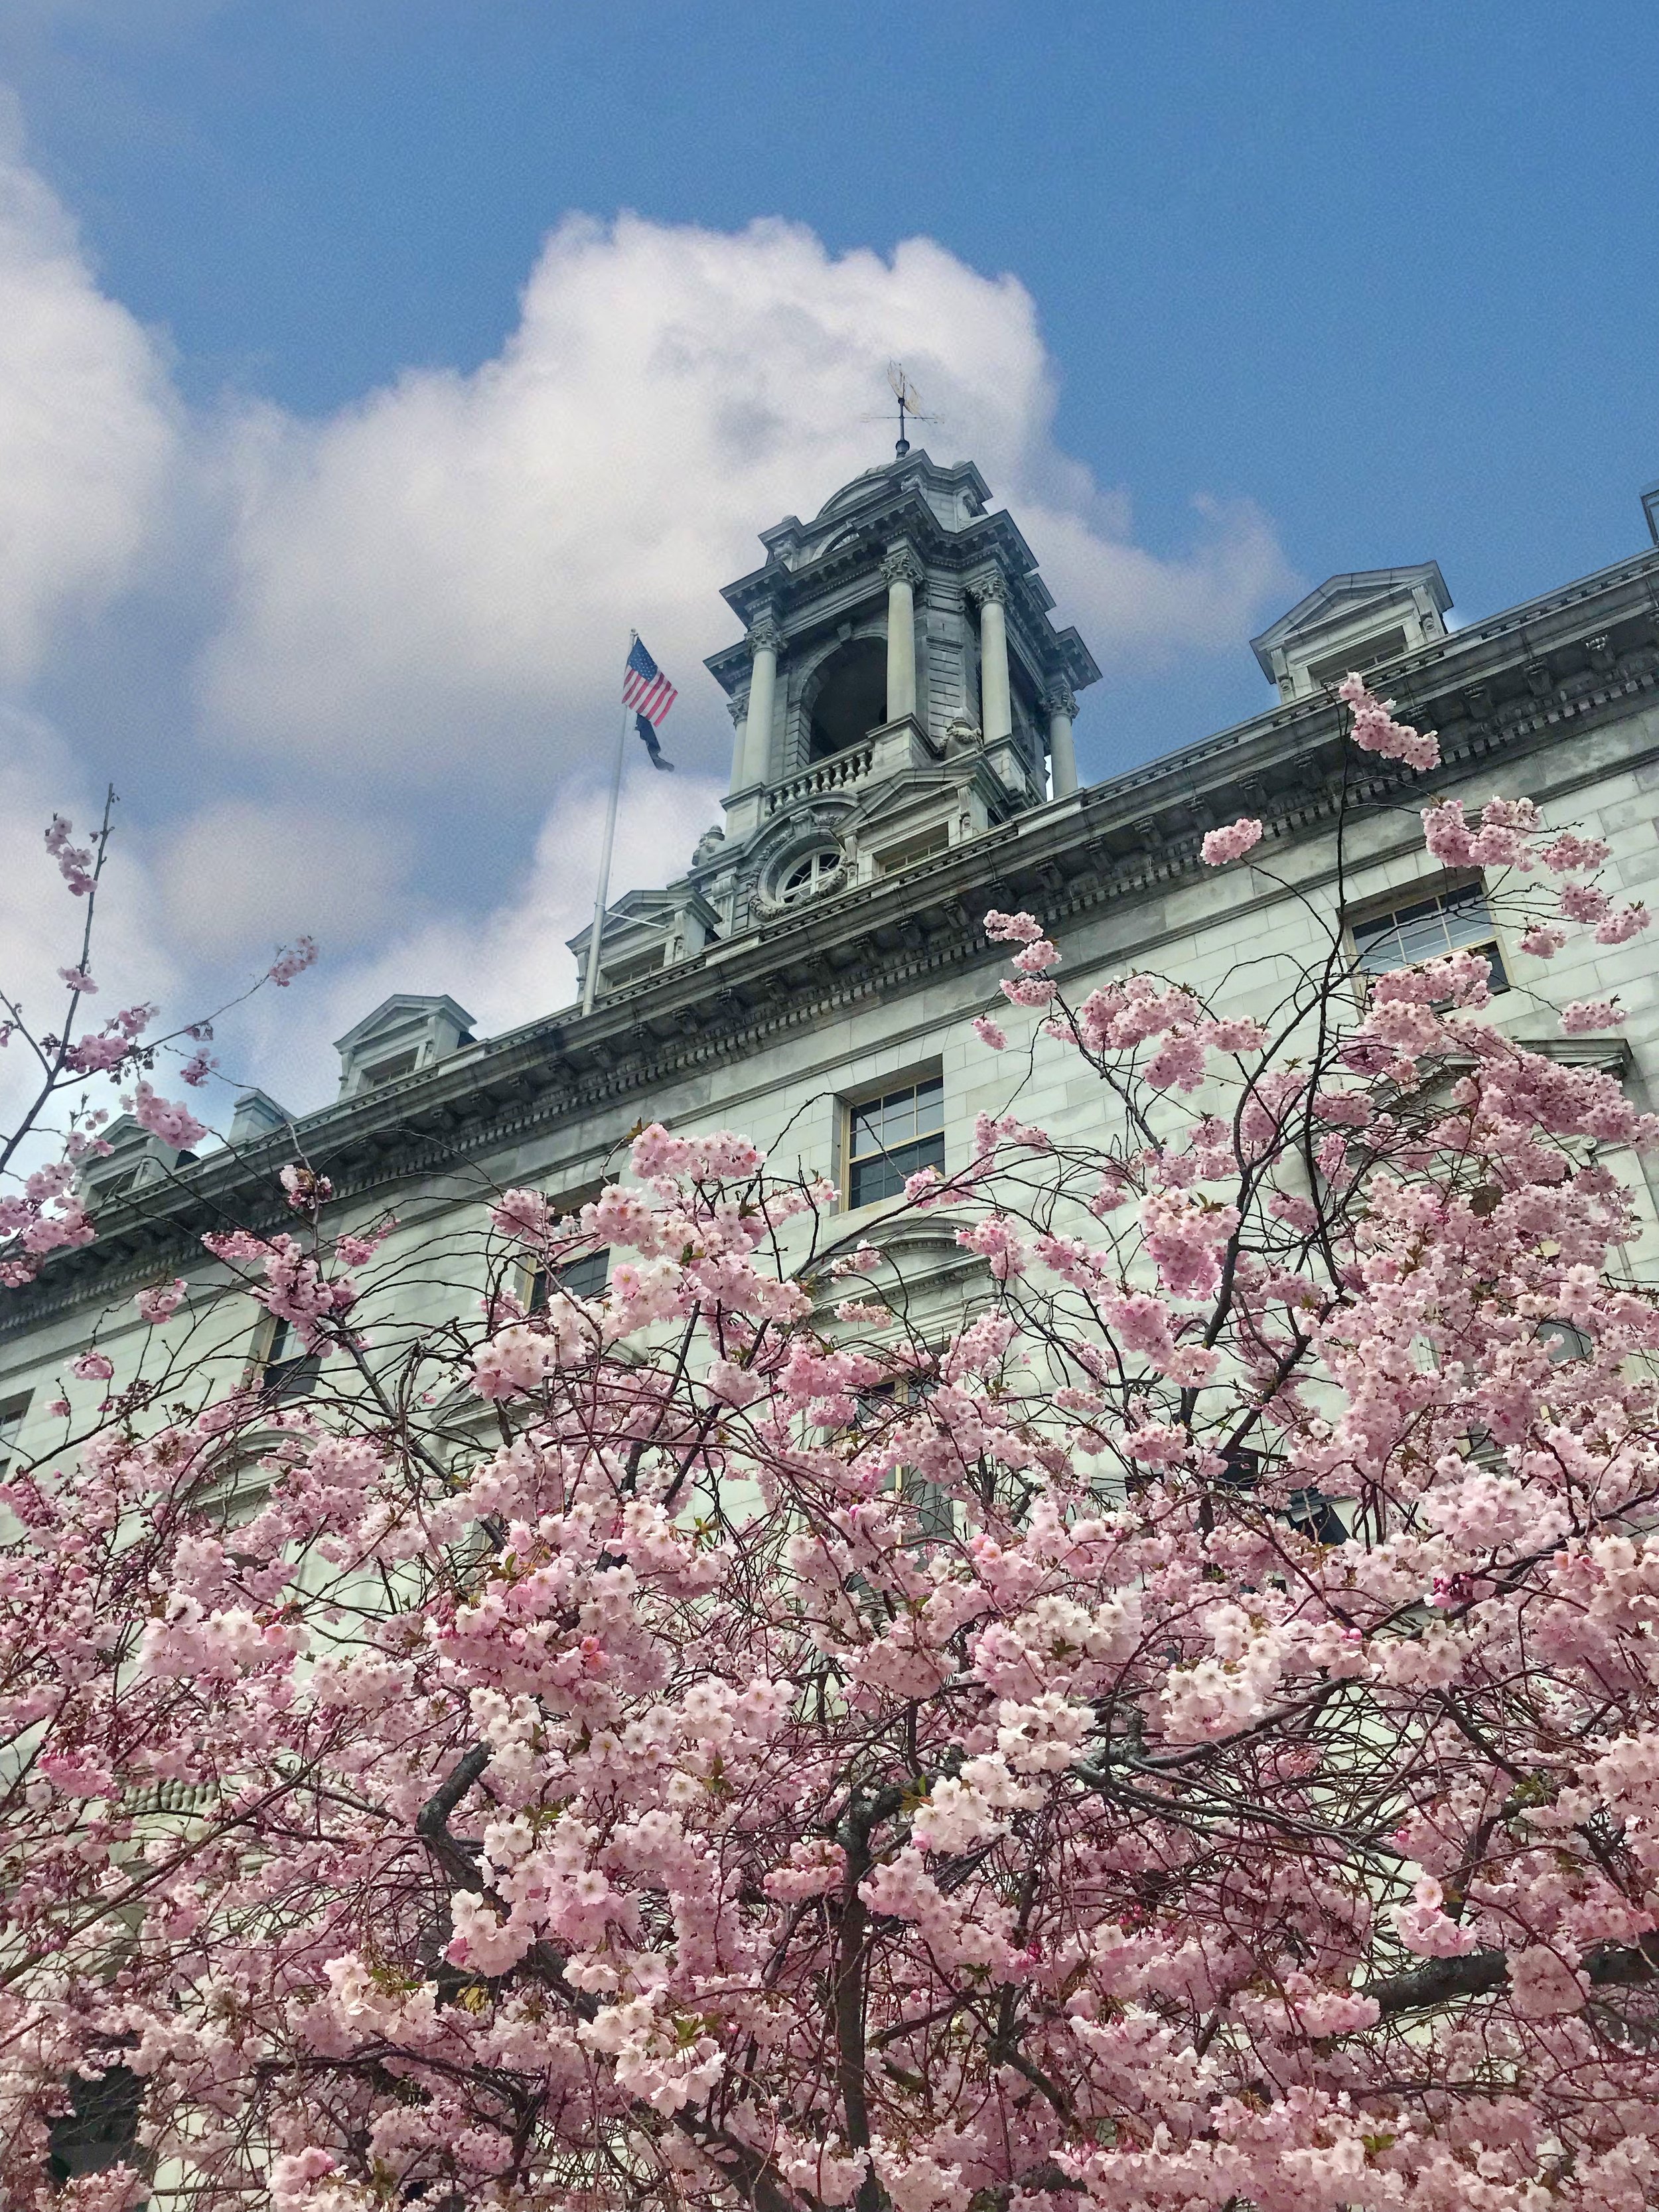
(1295, 289)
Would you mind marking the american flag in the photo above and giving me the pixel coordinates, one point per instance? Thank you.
(645, 688)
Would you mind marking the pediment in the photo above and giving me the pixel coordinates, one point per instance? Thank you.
(404, 1010)
(901, 795)
(1344, 600)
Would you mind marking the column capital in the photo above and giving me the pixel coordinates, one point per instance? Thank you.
(1059, 699)
(737, 708)
(900, 566)
(987, 590)
(764, 635)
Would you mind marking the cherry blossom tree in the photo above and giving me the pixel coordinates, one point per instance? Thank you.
(1184, 1734)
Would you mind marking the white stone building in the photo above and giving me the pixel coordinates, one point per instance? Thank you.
(903, 761)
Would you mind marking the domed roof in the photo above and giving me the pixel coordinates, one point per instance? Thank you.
(850, 493)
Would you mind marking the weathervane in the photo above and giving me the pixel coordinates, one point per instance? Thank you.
(909, 402)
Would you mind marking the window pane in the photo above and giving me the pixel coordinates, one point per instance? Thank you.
(884, 1176)
(585, 1278)
(898, 1117)
(284, 1380)
(11, 1427)
(1427, 929)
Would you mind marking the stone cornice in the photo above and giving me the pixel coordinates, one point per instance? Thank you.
(1581, 659)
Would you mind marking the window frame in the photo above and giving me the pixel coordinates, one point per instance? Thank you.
(540, 1280)
(927, 844)
(535, 1282)
(630, 968)
(13, 1411)
(890, 1088)
(377, 1074)
(821, 864)
(933, 1507)
(283, 1378)
(1416, 899)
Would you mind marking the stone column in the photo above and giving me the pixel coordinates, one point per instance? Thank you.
(904, 572)
(1060, 703)
(738, 710)
(996, 711)
(763, 645)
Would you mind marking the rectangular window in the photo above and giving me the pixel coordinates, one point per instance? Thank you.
(1427, 929)
(388, 1071)
(13, 1412)
(1312, 1513)
(287, 1371)
(1355, 660)
(621, 973)
(922, 847)
(893, 1136)
(582, 1278)
(932, 1505)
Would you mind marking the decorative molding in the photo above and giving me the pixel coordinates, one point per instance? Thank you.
(1126, 838)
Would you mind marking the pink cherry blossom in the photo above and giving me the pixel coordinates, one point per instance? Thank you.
(1148, 1703)
(174, 1125)
(1622, 924)
(162, 1302)
(1375, 731)
(291, 961)
(1012, 929)
(1033, 958)
(1221, 846)
(1584, 1015)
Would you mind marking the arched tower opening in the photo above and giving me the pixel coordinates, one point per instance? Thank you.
(850, 698)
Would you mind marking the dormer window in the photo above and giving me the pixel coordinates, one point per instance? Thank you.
(924, 845)
(404, 1035)
(1353, 623)
(388, 1071)
(619, 974)
(1359, 658)
(135, 1158)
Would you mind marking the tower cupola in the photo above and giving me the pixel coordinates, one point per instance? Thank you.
(899, 684)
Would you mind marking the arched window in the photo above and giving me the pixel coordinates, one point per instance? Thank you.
(851, 698)
(805, 877)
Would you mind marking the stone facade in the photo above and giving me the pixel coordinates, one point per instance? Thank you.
(902, 763)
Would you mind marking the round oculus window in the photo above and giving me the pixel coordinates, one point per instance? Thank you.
(807, 874)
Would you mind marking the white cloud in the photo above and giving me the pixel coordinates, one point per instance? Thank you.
(240, 875)
(416, 609)
(88, 422)
(507, 966)
(42, 924)
(445, 573)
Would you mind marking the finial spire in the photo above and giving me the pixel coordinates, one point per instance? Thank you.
(909, 402)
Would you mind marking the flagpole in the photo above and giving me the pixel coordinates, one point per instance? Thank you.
(591, 981)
